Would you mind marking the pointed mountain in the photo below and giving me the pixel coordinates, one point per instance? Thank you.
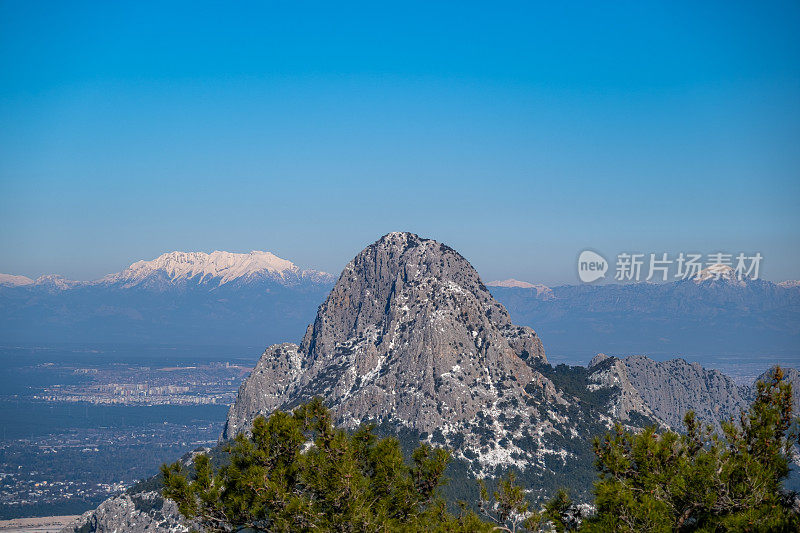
(411, 336)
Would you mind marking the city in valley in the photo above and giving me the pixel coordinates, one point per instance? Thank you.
(119, 420)
(212, 383)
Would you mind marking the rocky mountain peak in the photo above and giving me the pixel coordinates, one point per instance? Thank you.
(597, 359)
(410, 334)
(378, 288)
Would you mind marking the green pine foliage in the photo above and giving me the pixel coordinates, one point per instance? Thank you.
(510, 510)
(699, 481)
(299, 473)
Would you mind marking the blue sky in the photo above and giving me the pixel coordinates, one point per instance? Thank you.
(520, 134)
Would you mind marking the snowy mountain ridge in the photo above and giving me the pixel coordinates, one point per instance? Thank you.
(215, 269)
(10, 280)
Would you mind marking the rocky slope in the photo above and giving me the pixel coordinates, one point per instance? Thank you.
(625, 403)
(409, 334)
(666, 390)
(671, 388)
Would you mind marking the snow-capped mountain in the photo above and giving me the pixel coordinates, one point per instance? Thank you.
(511, 283)
(10, 280)
(179, 297)
(181, 268)
(213, 270)
(720, 272)
(56, 282)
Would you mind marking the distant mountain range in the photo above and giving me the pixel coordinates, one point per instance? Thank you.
(179, 297)
(184, 269)
(712, 313)
(258, 298)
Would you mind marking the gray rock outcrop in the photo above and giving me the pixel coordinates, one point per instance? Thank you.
(666, 390)
(145, 512)
(625, 402)
(597, 359)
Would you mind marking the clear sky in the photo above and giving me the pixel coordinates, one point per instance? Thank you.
(520, 134)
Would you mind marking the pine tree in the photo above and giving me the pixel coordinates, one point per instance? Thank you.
(296, 472)
(699, 481)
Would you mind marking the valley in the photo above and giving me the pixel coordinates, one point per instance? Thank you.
(116, 415)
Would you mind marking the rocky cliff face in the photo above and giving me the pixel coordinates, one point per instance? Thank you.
(625, 403)
(666, 390)
(266, 388)
(410, 334)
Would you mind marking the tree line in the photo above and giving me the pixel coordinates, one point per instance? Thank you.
(298, 472)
